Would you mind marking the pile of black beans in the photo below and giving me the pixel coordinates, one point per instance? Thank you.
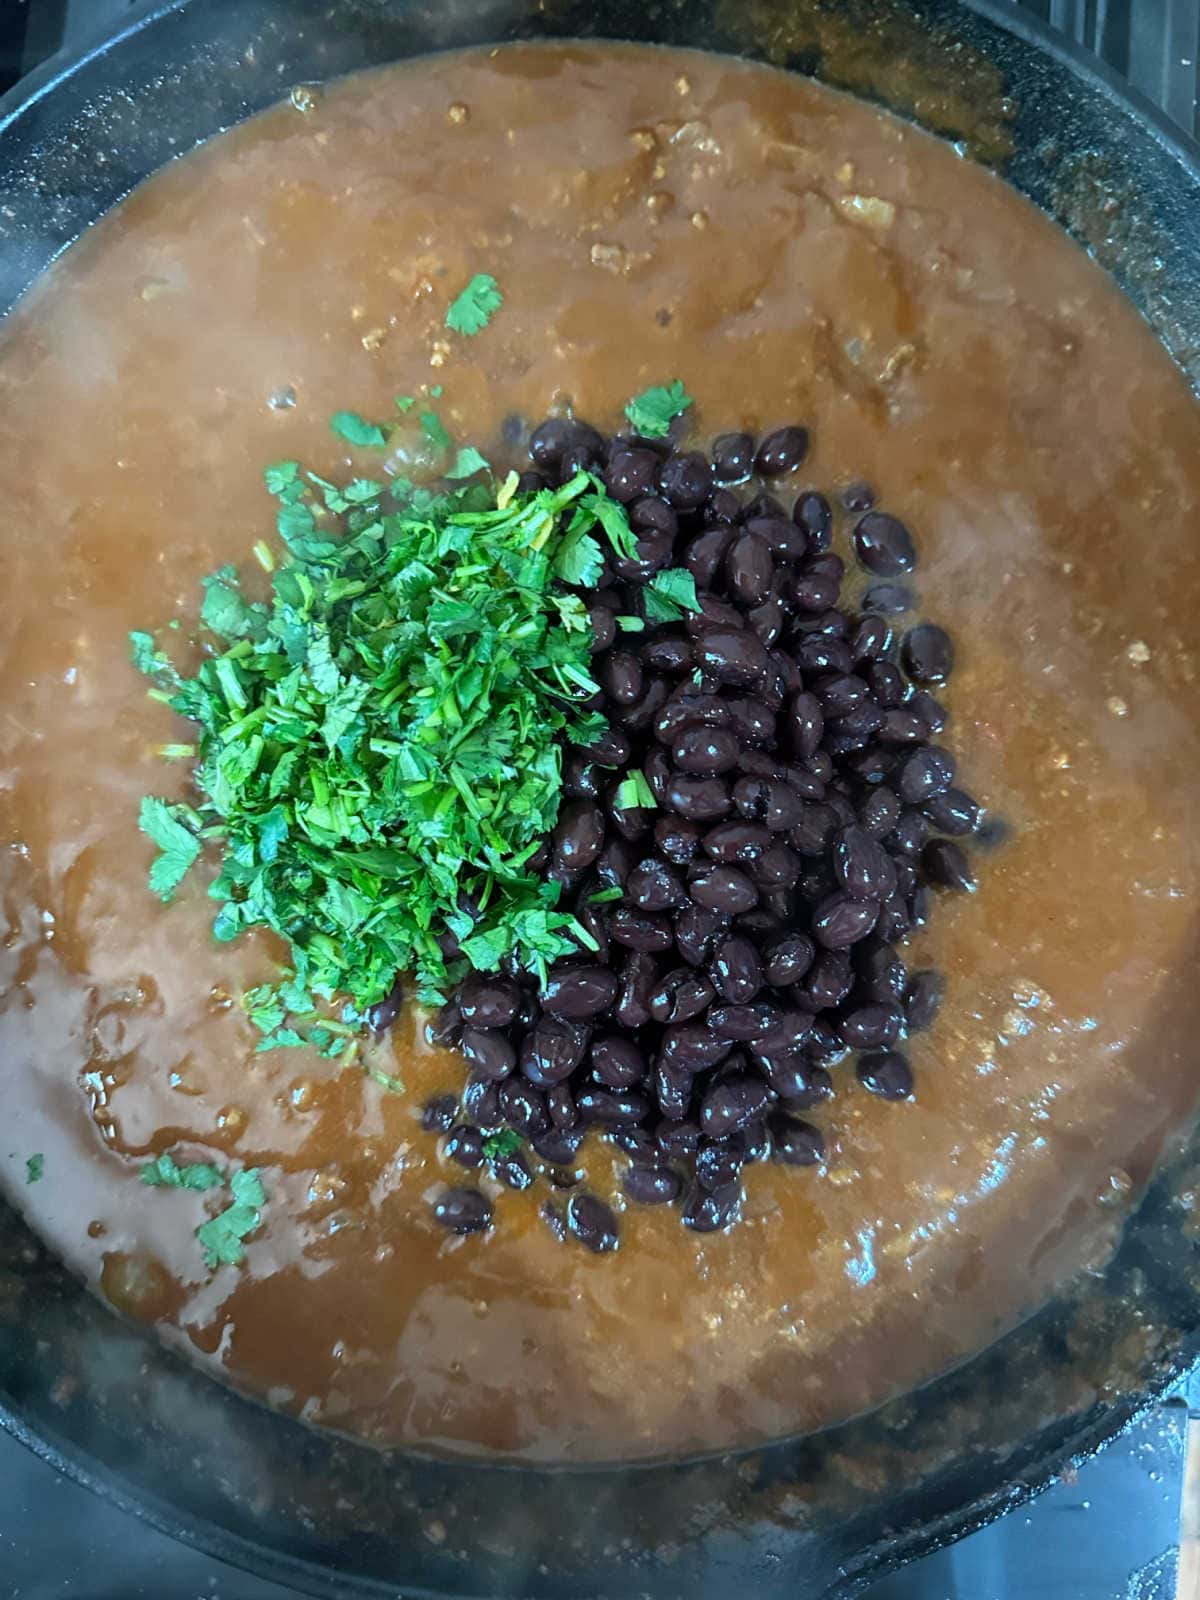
(749, 924)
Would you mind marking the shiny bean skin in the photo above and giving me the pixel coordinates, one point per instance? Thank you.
(784, 539)
(946, 865)
(685, 480)
(630, 474)
(861, 865)
(680, 995)
(670, 653)
(643, 931)
(707, 1211)
(734, 842)
(867, 1027)
(612, 1107)
(481, 1101)
(796, 1142)
(751, 720)
(706, 552)
(884, 545)
(744, 1023)
(618, 1062)
(888, 599)
(696, 931)
(439, 1114)
(672, 1089)
(489, 1052)
(953, 812)
(463, 1211)
(722, 505)
(694, 1047)
(732, 457)
(787, 960)
(804, 725)
(651, 1186)
(927, 772)
(840, 921)
(488, 1002)
(880, 812)
(523, 1107)
(724, 889)
(687, 709)
(813, 514)
(464, 1144)
(733, 656)
(620, 676)
(923, 999)
(677, 839)
(704, 752)
(717, 1164)
(654, 886)
(604, 628)
(638, 977)
(593, 1223)
(737, 969)
(782, 451)
(930, 710)
(887, 1075)
(578, 836)
(699, 799)
(749, 569)
(928, 653)
(580, 993)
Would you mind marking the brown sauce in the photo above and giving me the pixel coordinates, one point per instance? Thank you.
(791, 255)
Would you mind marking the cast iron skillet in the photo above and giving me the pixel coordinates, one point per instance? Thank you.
(816, 1516)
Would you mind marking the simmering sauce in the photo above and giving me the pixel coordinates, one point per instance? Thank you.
(790, 254)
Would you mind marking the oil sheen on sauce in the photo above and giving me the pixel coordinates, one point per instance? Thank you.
(792, 255)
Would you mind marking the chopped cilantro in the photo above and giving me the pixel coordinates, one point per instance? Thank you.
(467, 463)
(356, 430)
(404, 403)
(434, 430)
(35, 1167)
(473, 309)
(380, 741)
(652, 411)
(162, 1173)
(221, 1236)
(178, 844)
(504, 1142)
(669, 594)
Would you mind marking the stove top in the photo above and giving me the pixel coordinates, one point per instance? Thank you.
(1111, 1531)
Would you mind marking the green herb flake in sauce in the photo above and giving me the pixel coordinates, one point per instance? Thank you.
(472, 310)
(504, 1142)
(434, 430)
(162, 1173)
(357, 431)
(221, 1236)
(35, 1167)
(381, 739)
(653, 411)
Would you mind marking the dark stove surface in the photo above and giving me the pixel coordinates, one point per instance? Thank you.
(1109, 1532)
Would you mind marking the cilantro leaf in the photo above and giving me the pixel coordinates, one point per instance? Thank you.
(653, 411)
(472, 310)
(162, 1173)
(434, 430)
(669, 595)
(35, 1167)
(504, 1142)
(221, 1236)
(356, 430)
(467, 463)
(179, 846)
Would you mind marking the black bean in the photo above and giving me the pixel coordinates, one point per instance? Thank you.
(717, 1163)
(611, 750)
(638, 977)
(579, 993)
(733, 656)
(481, 1101)
(737, 969)
(581, 777)
(884, 545)
(787, 960)
(677, 1140)
(531, 482)
(438, 1115)
(704, 555)
(652, 515)
(744, 1023)
(705, 751)
(840, 921)
(668, 652)
(880, 811)
(592, 1223)
(653, 549)
(861, 865)
(882, 975)
(677, 839)
(917, 910)
(797, 1081)
(812, 513)
(867, 1027)
(550, 439)
(615, 862)
(640, 930)
(895, 921)
(724, 889)
(694, 1047)
(870, 640)
(927, 772)
(781, 451)
(699, 799)
(631, 822)
(524, 1107)
(488, 1052)
(578, 838)
(651, 1186)
(656, 768)
(672, 1089)
(777, 868)
(751, 720)
(797, 1142)
(604, 628)
(931, 712)
(464, 1144)
(811, 835)
(617, 1062)
(749, 570)
(889, 599)
(839, 693)
(732, 457)
(640, 716)
(784, 539)
(488, 1002)
(621, 677)
(463, 1210)
(630, 473)
(909, 834)
(766, 620)
(812, 592)
(902, 726)
(946, 865)
(653, 886)
(380, 1017)
(885, 682)
(685, 480)
(887, 1074)
(696, 930)
(923, 999)
(612, 1107)
(928, 653)
(634, 1141)
(706, 1211)
(722, 505)
(689, 708)
(732, 842)
(954, 812)
(857, 496)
